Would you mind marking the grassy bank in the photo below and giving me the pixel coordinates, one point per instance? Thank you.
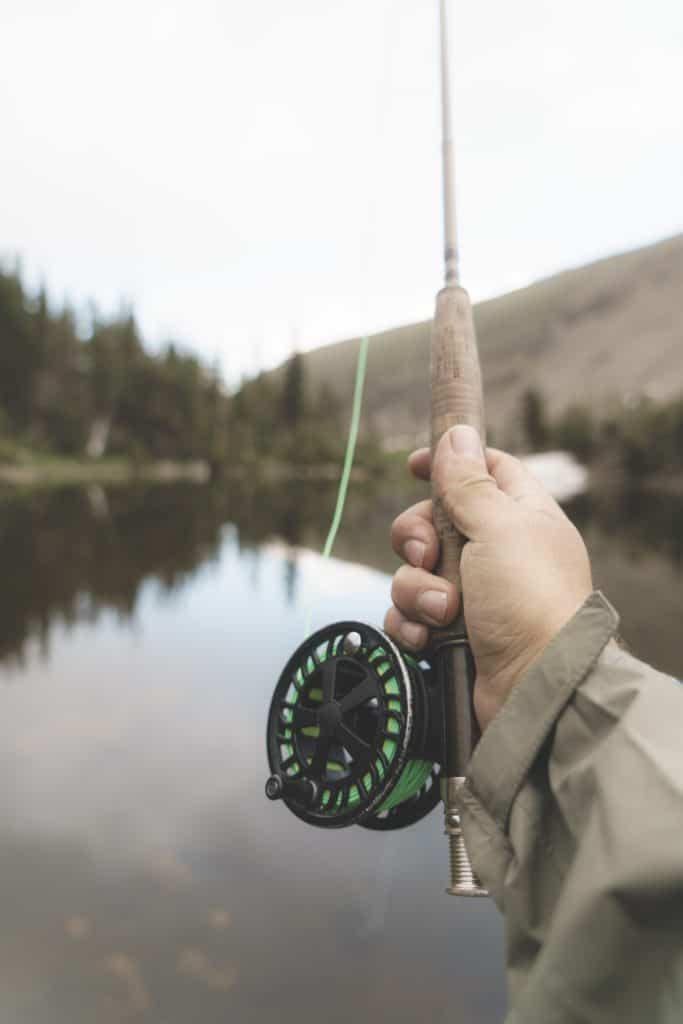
(51, 471)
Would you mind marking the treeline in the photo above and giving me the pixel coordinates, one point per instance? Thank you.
(639, 439)
(102, 392)
(277, 416)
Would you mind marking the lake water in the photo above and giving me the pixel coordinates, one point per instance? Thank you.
(144, 875)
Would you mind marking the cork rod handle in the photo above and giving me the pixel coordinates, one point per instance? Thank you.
(456, 397)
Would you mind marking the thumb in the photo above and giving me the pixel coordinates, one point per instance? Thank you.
(461, 481)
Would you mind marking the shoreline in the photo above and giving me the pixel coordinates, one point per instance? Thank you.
(558, 471)
(57, 472)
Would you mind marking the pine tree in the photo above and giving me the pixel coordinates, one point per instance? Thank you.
(534, 422)
(294, 391)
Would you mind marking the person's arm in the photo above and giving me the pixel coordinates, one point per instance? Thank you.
(572, 809)
(573, 816)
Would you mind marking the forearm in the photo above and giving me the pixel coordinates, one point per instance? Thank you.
(572, 814)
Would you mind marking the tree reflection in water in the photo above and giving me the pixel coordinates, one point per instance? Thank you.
(141, 879)
(67, 554)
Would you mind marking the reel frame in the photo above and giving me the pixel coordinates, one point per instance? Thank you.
(349, 711)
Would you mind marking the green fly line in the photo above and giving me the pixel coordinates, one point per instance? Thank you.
(414, 774)
(361, 368)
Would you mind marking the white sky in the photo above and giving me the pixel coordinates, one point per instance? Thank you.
(257, 175)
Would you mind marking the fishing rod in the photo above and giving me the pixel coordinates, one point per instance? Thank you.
(360, 731)
(456, 397)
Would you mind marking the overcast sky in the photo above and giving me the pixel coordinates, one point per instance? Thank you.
(257, 175)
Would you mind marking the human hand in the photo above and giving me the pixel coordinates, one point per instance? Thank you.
(524, 569)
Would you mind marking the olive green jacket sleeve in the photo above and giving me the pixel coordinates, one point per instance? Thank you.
(573, 816)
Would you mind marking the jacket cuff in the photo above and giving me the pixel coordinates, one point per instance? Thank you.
(513, 739)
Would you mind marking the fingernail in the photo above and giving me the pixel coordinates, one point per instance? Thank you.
(433, 603)
(465, 441)
(412, 634)
(414, 550)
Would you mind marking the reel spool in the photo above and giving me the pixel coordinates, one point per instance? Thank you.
(354, 732)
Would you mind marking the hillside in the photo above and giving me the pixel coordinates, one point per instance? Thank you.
(599, 334)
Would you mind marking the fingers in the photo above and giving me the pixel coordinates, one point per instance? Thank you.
(511, 475)
(414, 538)
(419, 463)
(515, 480)
(470, 495)
(406, 633)
(422, 597)
(420, 600)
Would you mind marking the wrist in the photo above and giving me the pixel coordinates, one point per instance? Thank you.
(490, 693)
(492, 689)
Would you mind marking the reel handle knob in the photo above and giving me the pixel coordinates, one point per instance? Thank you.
(300, 790)
(274, 787)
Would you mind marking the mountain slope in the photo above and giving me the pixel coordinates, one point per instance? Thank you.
(606, 332)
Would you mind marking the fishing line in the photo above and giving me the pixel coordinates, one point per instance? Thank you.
(368, 246)
(361, 369)
(353, 732)
(342, 491)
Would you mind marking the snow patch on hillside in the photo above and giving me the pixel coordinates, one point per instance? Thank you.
(559, 472)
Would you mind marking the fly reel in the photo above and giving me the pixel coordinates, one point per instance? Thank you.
(354, 734)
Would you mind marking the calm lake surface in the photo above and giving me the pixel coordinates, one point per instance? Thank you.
(144, 875)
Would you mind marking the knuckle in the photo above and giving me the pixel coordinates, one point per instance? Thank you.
(404, 588)
(405, 521)
(468, 489)
(456, 481)
(399, 527)
(394, 587)
(507, 459)
(403, 577)
(392, 621)
(396, 525)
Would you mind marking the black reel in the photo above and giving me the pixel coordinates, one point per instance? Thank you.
(354, 734)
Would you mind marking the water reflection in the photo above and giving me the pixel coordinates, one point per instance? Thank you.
(67, 554)
(70, 554)
(145, 876)
(635, 540)
(291, 576)
(641, 523)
